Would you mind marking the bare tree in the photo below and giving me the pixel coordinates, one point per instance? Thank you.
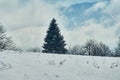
(104, 50)
(97, 49)
(91, 47)
(5, 42)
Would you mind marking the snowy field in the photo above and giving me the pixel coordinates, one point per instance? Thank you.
(37, 66)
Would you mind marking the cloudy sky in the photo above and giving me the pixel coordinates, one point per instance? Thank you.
(27, 21)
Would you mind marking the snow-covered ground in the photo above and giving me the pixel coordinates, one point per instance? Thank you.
(38, 66)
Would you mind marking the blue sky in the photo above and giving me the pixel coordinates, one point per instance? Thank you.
(27, 21)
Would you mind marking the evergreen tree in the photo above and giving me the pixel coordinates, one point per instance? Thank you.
(117, 50)
(5, 42)
(54, 42)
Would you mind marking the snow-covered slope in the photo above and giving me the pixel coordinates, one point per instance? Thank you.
(37, 66)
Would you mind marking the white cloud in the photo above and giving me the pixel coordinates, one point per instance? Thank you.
(29, 37)
(91, 30)
(113, 10)
(96, 7)
(35, 12)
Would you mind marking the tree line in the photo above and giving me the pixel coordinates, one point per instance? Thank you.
(54, 43)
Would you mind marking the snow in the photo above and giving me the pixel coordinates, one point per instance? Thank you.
(39, 66)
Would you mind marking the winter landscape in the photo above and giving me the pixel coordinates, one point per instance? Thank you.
(59, 40)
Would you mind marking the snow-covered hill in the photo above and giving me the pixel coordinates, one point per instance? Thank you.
(38, 66)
